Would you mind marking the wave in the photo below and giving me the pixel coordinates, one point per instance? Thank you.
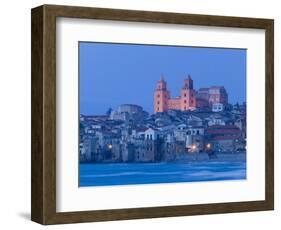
(130, 174)
(211, 174)
(152, 174)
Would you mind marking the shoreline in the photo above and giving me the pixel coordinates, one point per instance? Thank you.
(187, 158)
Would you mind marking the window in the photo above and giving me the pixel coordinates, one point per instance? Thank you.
(158, 102)
(184, 101)
(185, 95)
(158, 95)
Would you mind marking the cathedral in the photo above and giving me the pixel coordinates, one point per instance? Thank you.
(189, 99)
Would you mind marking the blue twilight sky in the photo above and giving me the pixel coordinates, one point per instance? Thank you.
(114, 74)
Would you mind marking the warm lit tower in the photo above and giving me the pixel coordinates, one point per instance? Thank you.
(188, 100)
(163, 101)
(161, 96)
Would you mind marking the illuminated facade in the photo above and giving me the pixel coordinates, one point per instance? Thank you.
(164, 102)
(189, 99)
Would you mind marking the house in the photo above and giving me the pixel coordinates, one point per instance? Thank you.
(194, 120)
(192, 136)
(195, 139)
(152, 134)
(145, 150)
(219, 120)
(88, 148)
(217, 107)
(224, 137)
(180, 132)
(128, 112)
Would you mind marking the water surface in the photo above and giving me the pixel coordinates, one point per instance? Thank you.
(151, 173)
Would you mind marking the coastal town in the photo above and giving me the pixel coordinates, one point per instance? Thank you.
(197, 124)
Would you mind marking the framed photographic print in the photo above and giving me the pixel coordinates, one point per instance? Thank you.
(140, 114)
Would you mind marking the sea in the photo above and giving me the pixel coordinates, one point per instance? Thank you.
(107, 174)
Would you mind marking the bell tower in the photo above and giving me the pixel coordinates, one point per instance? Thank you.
(188, 83)
(161, 96)
(188, 101)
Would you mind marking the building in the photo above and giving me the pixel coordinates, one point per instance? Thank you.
(151, 134)
(88, 149)
(217, 119)
(164, 102)
(217, 107)
(145, 150)
(202, 98)
(195, 139)
(128, 112)
(225, 138)
(215, 95)
(97, 118)
(127, 152)
(192, 136)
